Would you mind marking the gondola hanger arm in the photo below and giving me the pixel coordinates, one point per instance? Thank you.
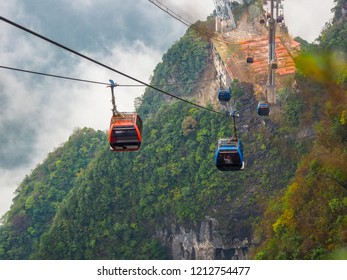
(114, 107)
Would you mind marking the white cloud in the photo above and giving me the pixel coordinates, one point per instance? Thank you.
(306, 18)
(192, 10)
(10, 180)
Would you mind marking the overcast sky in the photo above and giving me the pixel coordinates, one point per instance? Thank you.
(37, 114)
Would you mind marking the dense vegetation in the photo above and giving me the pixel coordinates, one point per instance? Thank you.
(178, 73)
(309, 219)
(85, 202)
(40, 194)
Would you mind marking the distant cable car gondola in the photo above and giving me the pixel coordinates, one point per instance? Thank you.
(274, 64)
(262, 21)
(280, 19)
(224, 94)
(125, 132)
(250, 58)
(263, 108)
(229, 155)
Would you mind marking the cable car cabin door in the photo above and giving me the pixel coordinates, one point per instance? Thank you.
(125, 133)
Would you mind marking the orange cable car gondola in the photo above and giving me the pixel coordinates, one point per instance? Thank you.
(125, 133)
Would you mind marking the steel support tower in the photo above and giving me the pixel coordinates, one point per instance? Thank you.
(271, 84)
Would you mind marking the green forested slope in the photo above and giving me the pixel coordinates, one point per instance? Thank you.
(40, 194)
(120, 202)
(86, 202)
(309, 220)
(180, 69)
(112, 206)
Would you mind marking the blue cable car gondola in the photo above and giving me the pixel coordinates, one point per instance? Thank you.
(263, 108)
(229, 155)
(224, 94)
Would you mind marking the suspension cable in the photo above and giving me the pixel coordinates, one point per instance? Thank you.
(102, 64)
(174, 15)
(95, 82)
(51, 75)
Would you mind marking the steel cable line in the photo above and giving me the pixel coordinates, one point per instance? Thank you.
(51, 75)
(89, 81)
(246, 107)
(187, 23)
(102, 64)
(170, 12)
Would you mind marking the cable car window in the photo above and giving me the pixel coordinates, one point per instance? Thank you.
(124, 133)
(230, 157)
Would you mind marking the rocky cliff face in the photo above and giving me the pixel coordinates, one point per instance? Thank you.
(204, 242)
